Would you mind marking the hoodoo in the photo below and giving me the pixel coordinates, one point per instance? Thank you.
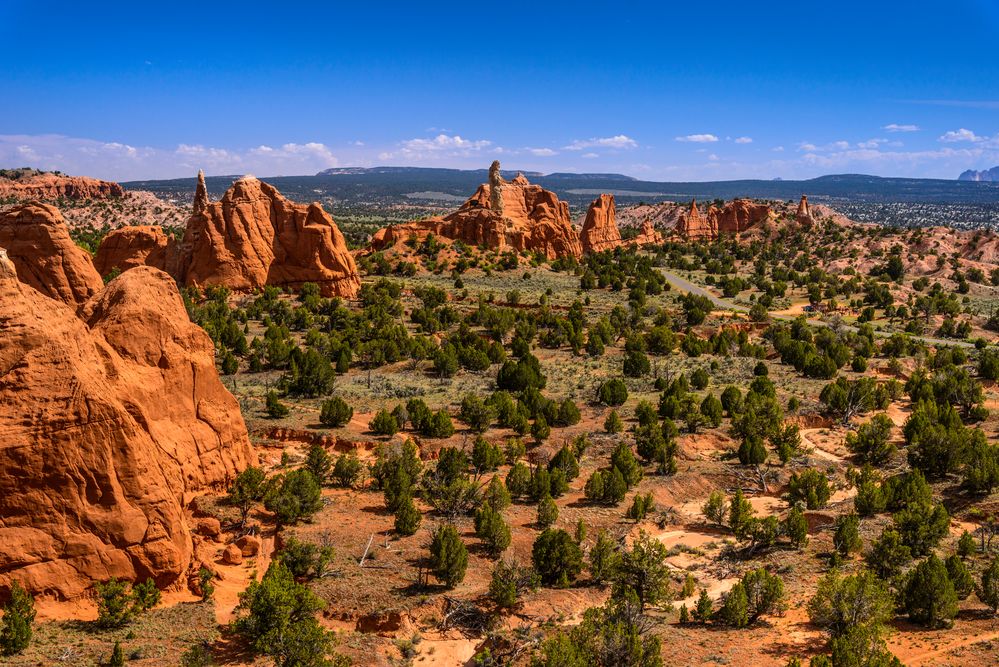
(109, 422)
(736, 216)
(39, 246)
(251, 238)
(521, 217)
(600, 230)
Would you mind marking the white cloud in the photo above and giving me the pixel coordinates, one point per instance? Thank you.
(542, 152)
(589, 156)
(895, 127)
(444, 142)
(699, 138)
(120, 161)
(712, 157)
(960, 135)
(840, 145)
(777, 149)
(744, 140)
(618, 141)
(805, 146)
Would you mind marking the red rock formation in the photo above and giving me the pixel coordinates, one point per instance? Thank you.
(531, 219)
(740, 215)
(695, 226)
(109, 423)
(804, 214)
(38, 243)
(251, 238)
(600, 230)
(735, 217)
(52, 186)
(128, 247)
(648, 235)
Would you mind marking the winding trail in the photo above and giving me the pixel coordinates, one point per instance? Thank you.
(685, 285)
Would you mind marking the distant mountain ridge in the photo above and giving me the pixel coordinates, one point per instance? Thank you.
(984, 176)
(406, 184)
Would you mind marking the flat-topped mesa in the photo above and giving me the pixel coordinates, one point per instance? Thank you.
(600, 231)
(523, 218)
(53, 186)
(112, 417)
(735, 217)
(250, 238)
(39, 246)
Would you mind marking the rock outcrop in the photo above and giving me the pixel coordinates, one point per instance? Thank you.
(648, 235)
(36, 185)
(110, 422)
(143, 245)
(600, 230)
(525, 217)
(38, 243)
(252, 237)
(804, 213)
(735, 217)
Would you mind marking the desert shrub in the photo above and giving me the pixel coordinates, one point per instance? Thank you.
(274, 407)
(296, 496)
(305, 560)
(871, 441)
(18, 617)
(384, 423)
(928, 595)
(510, 581)
(810, 487)
(556, 557)
(347, 471)
(492, 530)
(335, 412)
(613, 392)
(407, 516)
(319, 463)
(448, 556)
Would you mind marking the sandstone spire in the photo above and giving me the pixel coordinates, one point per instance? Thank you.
(201, 194)
(803, 211)
(600, 230)
(495, 188)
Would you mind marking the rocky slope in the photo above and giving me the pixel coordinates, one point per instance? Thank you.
(109, 423)
(519, 216)
(737, 216)
(250, 238)
(42, 185)
(38, 244)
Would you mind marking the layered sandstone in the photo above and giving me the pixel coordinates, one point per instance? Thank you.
(735, 217)
(804, 213)
(648, 235)
(37, 241)
(600, 230)
(109, 423)
(54, 186)
(141, 245)
(252, 237)
(523, 218)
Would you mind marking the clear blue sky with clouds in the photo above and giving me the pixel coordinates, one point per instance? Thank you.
(698, 91)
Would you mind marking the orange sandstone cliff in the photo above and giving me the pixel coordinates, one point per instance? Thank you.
(110, 421)
(252, 237)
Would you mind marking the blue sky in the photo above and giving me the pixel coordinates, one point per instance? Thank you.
(702, 91)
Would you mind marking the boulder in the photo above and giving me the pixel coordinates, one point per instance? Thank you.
(524, 218)
(600, 230)
(249, 545)
(38, 243)
(232, 555)
(251, 238)
(209, 526)
(112, 417)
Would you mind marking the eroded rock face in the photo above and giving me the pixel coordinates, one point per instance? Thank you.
(804, 213)
(526, 217)
(600, 230)
(128, 247)
(252, 237)
(109, 423)
(38, 243)
(648, 235)
(52, 186)
(735, 217)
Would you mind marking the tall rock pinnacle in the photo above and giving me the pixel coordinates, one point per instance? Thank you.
(495, 188)
(201, 194)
